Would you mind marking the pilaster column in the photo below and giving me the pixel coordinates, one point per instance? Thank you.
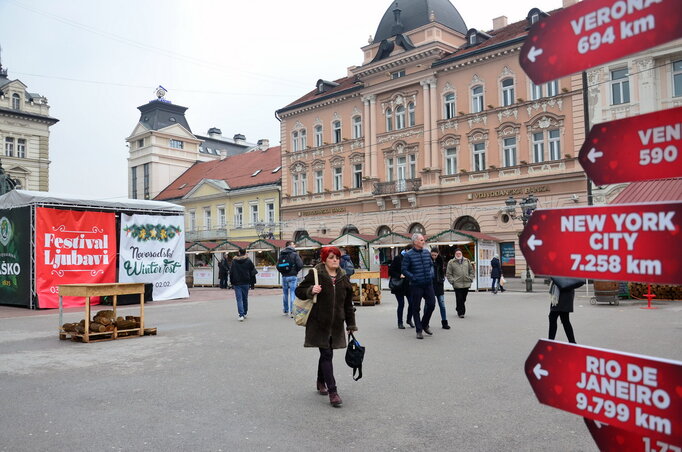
(434, 158)
(369, 126)
(426, 160)
(373, 150)
(647, 98)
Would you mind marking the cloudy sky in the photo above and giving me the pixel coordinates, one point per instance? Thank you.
(232, 63)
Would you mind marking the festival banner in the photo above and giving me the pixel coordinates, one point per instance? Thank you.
(153, 251)
(15, 257)
(73, 247)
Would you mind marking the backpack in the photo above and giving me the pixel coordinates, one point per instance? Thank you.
(286, 263)
(347, 266)
(355, 354)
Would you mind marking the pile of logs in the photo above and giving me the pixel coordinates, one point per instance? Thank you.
(662, 292)
(371, 294)
(104, 322)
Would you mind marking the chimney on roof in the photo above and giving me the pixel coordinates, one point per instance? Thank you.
(215, 132)
(263, 144)
(500, 22)
(567, 3)
(239, 138)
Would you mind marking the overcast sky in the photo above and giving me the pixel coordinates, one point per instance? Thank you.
(232, 63)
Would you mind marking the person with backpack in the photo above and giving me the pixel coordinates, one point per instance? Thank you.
(289, 264)
(346, 263)
(242, 277)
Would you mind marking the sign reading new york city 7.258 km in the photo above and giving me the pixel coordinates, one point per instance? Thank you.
(627, 242)
(594, 32)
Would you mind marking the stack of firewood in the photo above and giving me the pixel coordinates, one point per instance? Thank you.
(662, 292)
(371, 293)
(104, 322)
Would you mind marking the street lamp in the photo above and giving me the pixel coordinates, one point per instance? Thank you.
(527, 205)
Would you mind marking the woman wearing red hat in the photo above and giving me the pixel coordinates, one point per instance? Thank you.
(324, 328)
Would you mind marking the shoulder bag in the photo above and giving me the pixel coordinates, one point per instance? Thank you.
(302, 308)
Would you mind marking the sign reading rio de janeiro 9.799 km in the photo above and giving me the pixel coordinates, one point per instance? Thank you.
(633, 393)
(594, 32)
(626, 242)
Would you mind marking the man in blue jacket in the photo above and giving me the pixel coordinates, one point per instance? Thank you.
(417, 267)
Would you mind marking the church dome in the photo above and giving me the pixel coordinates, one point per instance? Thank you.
(415, 14)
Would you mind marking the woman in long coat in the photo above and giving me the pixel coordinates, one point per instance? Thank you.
(324, 328)
(496, 273)
(562, 293)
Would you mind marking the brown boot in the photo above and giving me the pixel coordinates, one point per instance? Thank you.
(322, 388)
(335, 400)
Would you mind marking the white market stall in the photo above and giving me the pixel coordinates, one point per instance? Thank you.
(383, 250)
(264, 253)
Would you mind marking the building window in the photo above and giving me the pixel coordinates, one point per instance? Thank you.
(357, 176)
(472, 39)
(9, 147)
(336, 126)
(509, 150)
(140, 143)
(303, 181)
(401, 169)
(450, 161)
(221, 217)
(413, 166)
(398, 74)
(294, 185)
(21, 148)
(254, 214)
(449, 106)
(133, 182)
(338, 178)
(535, 91)
(411, 120)
(177, 144)
(389, 170)
(479, 156)
(357, 127)
(145, 180)
(238, 216)
(677, 78)
(16, 101)
(552, 88)
(620, 87)
(400, 117)
(554, 144)
(318, 136)
(507, 92)
(207, 218)
(477, 99)
(192, 220)
(319, 182)
(303, 140)
(294, 141)
(270, 213)
(538, 147)
(389, 120)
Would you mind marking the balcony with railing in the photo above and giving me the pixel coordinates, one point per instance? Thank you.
(397, 186)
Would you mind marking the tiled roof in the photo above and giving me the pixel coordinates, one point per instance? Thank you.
(651, 191)
(345, 83)
(237, 171)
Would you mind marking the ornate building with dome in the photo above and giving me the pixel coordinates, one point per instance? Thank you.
(435, 130)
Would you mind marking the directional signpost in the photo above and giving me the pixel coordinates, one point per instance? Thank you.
(613, 439)
(643, 147)
(638, 394)
(594, 32)
(630, 242)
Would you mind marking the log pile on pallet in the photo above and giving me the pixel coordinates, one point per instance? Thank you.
(371, 294)
(105, 326)
(662, 292)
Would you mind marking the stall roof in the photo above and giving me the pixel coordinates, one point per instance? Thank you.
(200, 247)
(390, 240)
(266, 245)
(312, 243)
(21, 198)
(651, 191)
(456, 236)
(228, 245)
(353, 239)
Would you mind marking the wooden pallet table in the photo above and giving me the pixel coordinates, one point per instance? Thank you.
(365, 276)
(99, 290)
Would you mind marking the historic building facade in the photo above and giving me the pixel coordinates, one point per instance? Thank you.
(24, 134)
(435, 130)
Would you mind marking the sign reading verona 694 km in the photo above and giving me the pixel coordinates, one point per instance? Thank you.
(594, 32)
(636, 393)
(628, 242)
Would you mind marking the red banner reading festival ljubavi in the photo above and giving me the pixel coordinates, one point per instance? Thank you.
(73, 248)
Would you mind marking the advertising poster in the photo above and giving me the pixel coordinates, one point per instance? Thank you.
(15, 261)
(153, 251)
(73, 248)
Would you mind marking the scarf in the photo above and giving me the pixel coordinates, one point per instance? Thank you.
(554, 293)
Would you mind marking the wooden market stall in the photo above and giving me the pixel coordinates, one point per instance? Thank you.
(200, 269)
(478, 247)
(383, 250)
(309, 249)
(264, 253)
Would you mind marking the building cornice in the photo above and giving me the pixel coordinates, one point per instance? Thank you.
(476, 56)
(404, 59)
(322, 101)
(49, 120)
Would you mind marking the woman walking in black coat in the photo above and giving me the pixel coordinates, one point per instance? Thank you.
(562, 293)
(496, 273)
(403, 291)
(324, 328)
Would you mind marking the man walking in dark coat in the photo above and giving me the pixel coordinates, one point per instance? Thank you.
(417, 267)
(242, 276)
(223, 270)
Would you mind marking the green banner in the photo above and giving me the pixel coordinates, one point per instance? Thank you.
(15, 261)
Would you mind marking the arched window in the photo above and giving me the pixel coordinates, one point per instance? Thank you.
(466, 223)
(294, 141)
(357, 127)
(507, 92)
(298, 235)
(336, 126)
(349, 229)
(477, 99)
(16, 101)
(400, 117)
(383, 230)
(411, 120)
(417, 228)
(318, 136)
(389, 120)
(449, 106)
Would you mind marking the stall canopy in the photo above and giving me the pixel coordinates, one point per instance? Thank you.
(455, 237)
(352, 239)
(266, 245)
(312, 243)
(390, 240)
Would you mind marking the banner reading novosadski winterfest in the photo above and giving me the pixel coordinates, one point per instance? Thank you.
(153, 251)
(15, 257)
(73, 247)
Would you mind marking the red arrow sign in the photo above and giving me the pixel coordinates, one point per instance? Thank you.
(612, 439)
(594, 32)
(636, 393)
(643, 147)
(631, 242)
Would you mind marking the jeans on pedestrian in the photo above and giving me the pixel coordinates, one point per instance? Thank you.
(401, 305)
(495, 284)
(415, 300)
(441, 306)
(461, 298)
(241, 292)
(288, 287)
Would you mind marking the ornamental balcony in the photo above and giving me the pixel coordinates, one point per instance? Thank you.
(398, 186)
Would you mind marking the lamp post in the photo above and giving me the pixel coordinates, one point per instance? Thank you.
(528, 206)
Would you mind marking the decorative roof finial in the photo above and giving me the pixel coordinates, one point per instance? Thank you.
(432, 16)
(398, 26)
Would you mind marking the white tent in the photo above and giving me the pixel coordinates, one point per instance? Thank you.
(21, 198)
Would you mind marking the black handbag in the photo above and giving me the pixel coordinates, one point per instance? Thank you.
(355, 354)
(396, 284)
